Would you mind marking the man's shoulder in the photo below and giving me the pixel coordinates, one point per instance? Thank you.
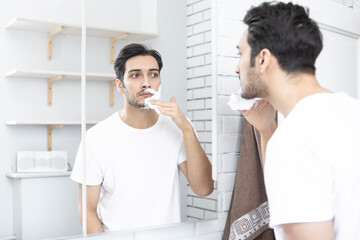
(102, 127)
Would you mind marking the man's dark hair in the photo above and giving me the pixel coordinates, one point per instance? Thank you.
(288, 32)
(130, 51)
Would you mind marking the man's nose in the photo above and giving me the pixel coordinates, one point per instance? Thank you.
(237, 69)
(146, 83)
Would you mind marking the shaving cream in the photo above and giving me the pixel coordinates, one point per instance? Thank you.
(156, 96)
(236, 102)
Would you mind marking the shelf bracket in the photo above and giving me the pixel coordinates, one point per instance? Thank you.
(112, 86)
(50, 82)
(113, 41)
(49, 134)
(50, 39)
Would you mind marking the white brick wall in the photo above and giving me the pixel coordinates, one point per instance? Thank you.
(202, 49)
(229, 162)
(230, 28)
(199, 104)
(200, 56)
(227, 85)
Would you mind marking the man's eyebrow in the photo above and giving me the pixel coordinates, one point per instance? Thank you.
(134, 70)
(139, 70)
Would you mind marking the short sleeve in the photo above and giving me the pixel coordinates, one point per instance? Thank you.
(93, 167)
(298, 184)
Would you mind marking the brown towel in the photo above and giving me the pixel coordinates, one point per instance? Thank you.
(248, 216)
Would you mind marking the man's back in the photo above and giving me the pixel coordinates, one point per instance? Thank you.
(312, 164)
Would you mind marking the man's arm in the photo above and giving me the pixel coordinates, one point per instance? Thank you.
(197, 168)
(262, 117)
(92, 199)
(309, 231)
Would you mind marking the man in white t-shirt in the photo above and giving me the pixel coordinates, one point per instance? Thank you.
(133, 157)
(312, 160)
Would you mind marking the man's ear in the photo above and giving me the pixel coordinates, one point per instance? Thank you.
(119, 86)
(264, 58)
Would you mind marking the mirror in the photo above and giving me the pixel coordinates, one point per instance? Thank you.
(40, 99)
(152, 21)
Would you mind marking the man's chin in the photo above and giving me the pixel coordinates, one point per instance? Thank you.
(138, 105)
(247, 96)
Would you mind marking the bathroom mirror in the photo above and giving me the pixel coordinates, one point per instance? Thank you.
(160, 25)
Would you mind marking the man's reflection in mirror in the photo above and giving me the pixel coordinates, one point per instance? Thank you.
(133, 157)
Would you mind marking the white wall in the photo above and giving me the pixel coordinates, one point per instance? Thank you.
(199, 88)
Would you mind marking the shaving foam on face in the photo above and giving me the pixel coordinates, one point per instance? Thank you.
(236, 102)
(156, 96)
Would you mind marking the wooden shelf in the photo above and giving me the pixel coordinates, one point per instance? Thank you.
(51, 124)
(17, 175)
(47, 26)
(53, 28)
(21, 73)
(59, 75)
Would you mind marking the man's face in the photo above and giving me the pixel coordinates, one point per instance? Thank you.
(141, 73)
(251, 84)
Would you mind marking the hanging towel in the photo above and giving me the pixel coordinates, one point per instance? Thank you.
(248, 216)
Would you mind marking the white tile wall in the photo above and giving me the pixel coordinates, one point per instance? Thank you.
(195, 82)
(227, 46)
(202, 49)
(196, 61)
(199, 102)
(204, 137)
(232, 29)
(195, 18)
(202, 27)
(204, 203)
(229, 162)
(208, 148)
(202, 71)
(227, 85)
(201, 6)
(227, 65)
(205, 92)
(202, 115)
(196, 104)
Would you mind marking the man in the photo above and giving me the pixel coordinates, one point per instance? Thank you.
(312, 159)
(134, 156)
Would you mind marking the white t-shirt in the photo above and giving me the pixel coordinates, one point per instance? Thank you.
(312, 169)
(138, 170)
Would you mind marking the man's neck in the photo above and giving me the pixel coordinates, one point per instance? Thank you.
(137, 117)
(290, 90)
